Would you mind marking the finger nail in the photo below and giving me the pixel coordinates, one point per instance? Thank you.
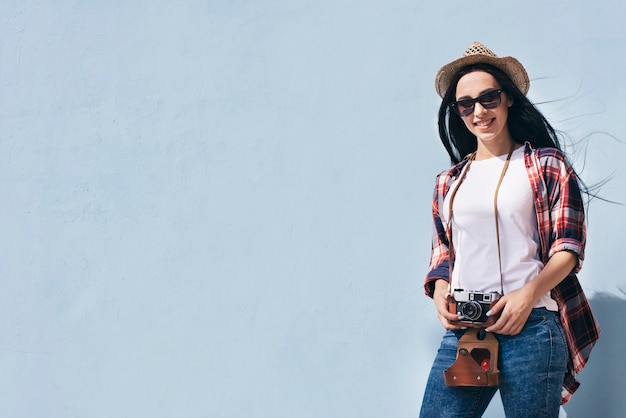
(489, 312)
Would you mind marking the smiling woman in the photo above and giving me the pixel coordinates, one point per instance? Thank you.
(509, 227)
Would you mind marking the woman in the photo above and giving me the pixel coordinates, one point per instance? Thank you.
(508, 163)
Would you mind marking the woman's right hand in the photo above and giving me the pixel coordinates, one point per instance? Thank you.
(440, 296)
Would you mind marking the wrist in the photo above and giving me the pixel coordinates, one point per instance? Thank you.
(534, 290)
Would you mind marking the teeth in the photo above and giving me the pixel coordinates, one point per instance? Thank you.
(483, 123)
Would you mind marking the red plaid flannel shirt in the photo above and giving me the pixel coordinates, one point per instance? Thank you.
(561, 223)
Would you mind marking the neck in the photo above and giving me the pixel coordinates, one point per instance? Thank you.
(485, 151)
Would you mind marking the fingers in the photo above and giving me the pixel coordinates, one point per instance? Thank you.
(445, 317)
(495, 309)
(444, 314)
(441, 298)
(507, 325)
(507, 329)
(501, 326)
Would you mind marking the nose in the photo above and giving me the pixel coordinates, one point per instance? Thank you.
(479, 109)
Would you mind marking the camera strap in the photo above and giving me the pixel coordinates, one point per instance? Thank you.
(495, 211)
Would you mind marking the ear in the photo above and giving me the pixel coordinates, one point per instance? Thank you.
(509, 101)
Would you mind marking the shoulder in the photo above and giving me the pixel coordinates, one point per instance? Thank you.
(451, 173)
(548, 155)
(548, 158)
(445, 179)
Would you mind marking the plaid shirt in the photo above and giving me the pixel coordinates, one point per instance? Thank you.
(561, 224)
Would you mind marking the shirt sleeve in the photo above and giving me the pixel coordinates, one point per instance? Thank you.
(440, 252)
(566, 209)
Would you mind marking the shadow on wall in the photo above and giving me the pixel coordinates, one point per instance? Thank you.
(603, 380)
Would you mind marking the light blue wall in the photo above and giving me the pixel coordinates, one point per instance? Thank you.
(221, 208)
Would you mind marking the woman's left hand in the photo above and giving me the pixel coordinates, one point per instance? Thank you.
(515, 308)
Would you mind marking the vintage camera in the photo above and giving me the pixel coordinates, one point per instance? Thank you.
(472, 307)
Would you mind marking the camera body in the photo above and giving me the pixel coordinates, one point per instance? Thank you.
(472, 307)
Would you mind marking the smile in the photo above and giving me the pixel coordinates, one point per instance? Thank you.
(484, 123)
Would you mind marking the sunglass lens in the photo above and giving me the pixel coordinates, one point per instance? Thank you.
(490, 100)
(465, 107)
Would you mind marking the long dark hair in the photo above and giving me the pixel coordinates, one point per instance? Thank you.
(525, 121)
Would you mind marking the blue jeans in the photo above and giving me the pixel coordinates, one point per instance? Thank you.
(532, 368)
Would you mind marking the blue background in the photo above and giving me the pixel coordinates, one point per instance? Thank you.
(222, 208)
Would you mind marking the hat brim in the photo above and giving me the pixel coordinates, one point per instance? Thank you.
(511, 67)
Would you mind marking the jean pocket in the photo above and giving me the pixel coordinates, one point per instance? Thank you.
(559, 332)
(537, 317)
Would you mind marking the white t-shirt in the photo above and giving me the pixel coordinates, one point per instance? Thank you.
(474, 237)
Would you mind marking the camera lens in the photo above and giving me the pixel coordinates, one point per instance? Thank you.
(471, 310)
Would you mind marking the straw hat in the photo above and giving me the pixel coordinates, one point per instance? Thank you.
(479, 53)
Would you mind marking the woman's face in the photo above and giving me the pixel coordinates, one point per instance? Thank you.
(489, 125)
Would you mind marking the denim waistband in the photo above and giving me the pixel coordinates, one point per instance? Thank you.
(542, 313)
(536, 315)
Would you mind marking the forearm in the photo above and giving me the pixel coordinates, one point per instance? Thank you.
(556, 269)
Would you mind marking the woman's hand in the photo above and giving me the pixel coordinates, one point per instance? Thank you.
(440, 296)
(515, 308)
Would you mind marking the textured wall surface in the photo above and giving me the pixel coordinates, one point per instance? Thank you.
(222, 208)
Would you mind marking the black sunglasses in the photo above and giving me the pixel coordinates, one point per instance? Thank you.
(489, 100)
